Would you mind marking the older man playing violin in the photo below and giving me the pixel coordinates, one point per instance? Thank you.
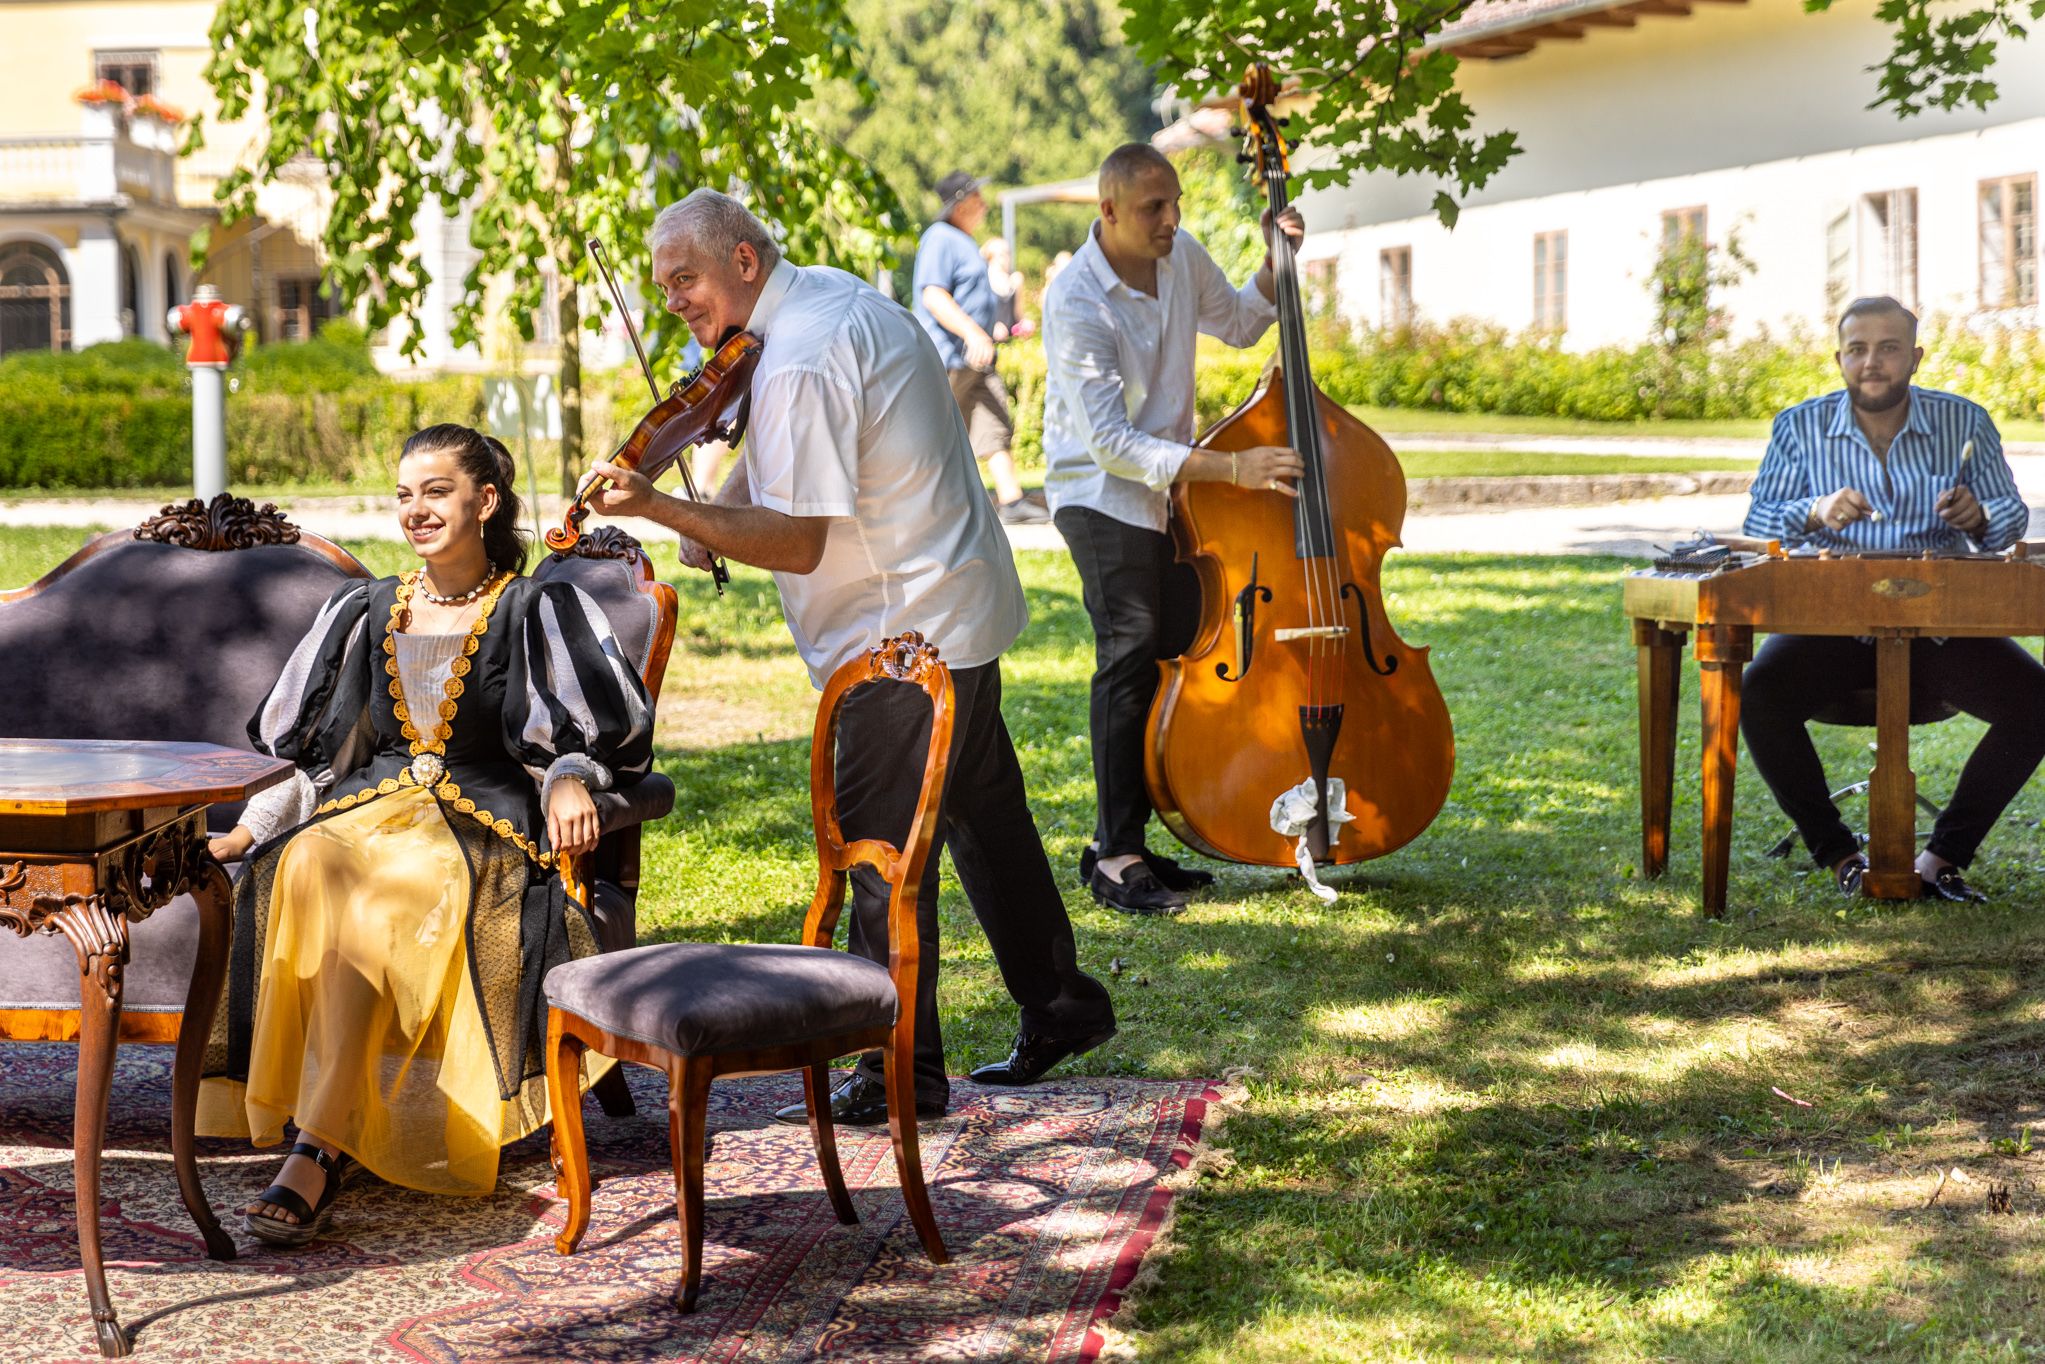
(857, 486)
(1883, 465)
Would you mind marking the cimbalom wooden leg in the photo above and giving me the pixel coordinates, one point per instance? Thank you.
(1722, 654)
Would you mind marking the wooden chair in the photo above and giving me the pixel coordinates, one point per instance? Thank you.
(698, 1011)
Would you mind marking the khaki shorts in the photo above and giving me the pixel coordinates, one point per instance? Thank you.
(983, 401)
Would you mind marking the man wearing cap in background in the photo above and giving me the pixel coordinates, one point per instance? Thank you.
(955, 302)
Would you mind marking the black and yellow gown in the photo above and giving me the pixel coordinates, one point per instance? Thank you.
(388, 947)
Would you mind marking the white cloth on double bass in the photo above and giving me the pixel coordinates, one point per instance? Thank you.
(1293, 813)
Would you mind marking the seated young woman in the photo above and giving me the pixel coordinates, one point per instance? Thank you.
(400, 898)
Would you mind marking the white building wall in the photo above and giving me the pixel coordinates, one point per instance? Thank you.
(1754, 112)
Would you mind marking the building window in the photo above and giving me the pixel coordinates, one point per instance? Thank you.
(172, 289)
(1551, 281)
(1838, 262)
(1395, 287)
(301, 307)
(2009, 242)
(134, 72)
(1318, 280)
(35, 300)
(1681, 224)
(1889, 245)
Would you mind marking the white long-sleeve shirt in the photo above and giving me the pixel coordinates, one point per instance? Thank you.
(1118, 401)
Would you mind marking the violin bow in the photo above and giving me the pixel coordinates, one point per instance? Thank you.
(602, 259)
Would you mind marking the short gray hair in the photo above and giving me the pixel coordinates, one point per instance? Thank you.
(717, 223)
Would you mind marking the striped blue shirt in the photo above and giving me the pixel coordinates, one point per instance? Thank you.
(1817, 448)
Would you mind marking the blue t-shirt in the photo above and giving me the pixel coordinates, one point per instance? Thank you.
(948, 257)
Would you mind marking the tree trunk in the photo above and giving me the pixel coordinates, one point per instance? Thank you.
(566, 243)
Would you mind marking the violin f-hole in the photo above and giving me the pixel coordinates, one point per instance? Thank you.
(1246, 626)
(1391, 663)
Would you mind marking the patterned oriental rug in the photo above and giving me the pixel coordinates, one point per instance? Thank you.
(1048, 1198)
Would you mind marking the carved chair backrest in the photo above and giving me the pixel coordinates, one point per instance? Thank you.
(904, 660)
(614, 570)
(174, 630)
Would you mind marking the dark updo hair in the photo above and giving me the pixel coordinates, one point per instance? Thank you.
(485, 460)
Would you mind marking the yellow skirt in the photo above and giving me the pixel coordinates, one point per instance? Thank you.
(367, 1030)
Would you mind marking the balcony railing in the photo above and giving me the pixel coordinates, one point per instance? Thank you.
(88, 170)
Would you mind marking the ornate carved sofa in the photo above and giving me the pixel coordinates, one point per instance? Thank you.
(176, 630)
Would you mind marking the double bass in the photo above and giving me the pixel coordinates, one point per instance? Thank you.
(1295, 673)
(711, 403)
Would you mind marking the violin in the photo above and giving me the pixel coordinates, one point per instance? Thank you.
(709, 404)
(1295, 673)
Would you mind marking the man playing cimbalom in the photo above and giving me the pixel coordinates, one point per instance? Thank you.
(1120, 323)
(1883, 465)
(955, 302)
(856, 487)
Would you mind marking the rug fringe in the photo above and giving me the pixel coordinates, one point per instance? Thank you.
(1204, 1158)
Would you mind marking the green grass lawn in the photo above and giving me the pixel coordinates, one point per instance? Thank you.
(1504, 1100)
(1390, 421)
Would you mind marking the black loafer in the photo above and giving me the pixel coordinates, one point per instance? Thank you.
(1847, 875)
(1950, 885)
(1138, 892)
(858, 1102)
(1033, 1055)
(1169, 873)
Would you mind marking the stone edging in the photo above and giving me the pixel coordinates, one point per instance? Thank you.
(1564, 490)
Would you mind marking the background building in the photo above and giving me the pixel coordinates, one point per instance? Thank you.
(1742, 122)
(97, 212)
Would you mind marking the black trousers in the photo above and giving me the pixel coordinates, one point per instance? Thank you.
(883, 733)
(1793, 677)
(1144, 606)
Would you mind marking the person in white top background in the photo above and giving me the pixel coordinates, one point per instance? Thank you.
(1120, 326)
(858, 489)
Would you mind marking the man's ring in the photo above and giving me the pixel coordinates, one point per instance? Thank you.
(1272, 485)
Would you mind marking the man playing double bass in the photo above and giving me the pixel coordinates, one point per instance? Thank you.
(1120, 324)
(857, 487)
(1883, 465)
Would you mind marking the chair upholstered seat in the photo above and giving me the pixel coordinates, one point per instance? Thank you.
(698, 998)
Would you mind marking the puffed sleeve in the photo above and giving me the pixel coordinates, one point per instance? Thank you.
(317, 714)
(573, 704)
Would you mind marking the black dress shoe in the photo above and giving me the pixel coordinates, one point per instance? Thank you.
(1170, 874)
(858, 1102)
(1138, 892)
(1847, 875)
(1950, 885)
(1033, 1055)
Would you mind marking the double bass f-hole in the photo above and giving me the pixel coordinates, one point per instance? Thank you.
(1370, 654)
(1246, 625)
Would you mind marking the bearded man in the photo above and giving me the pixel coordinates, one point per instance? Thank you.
(1883, 465)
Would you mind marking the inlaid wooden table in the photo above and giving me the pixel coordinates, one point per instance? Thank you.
(94, 835)
(1889, 598)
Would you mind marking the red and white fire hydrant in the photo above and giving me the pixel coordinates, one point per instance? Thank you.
(216, 329)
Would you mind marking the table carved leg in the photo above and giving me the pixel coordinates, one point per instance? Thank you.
(1892, 787)
(1722, 654)
(100, 938)
(1661, 654)
(214, 898)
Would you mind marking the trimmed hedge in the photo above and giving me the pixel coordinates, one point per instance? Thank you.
(119, 415)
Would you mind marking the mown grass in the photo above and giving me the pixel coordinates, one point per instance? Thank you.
(1416, 421)
(1505, 1101)
(1423, 464)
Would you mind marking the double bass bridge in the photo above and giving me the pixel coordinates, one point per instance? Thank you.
(1310, 632)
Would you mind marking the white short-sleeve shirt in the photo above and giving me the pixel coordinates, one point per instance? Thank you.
(853, 419)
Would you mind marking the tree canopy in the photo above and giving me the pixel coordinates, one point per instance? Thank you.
(548, 122)
(1943, 61)
(1020, 91)
(1371, 95)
